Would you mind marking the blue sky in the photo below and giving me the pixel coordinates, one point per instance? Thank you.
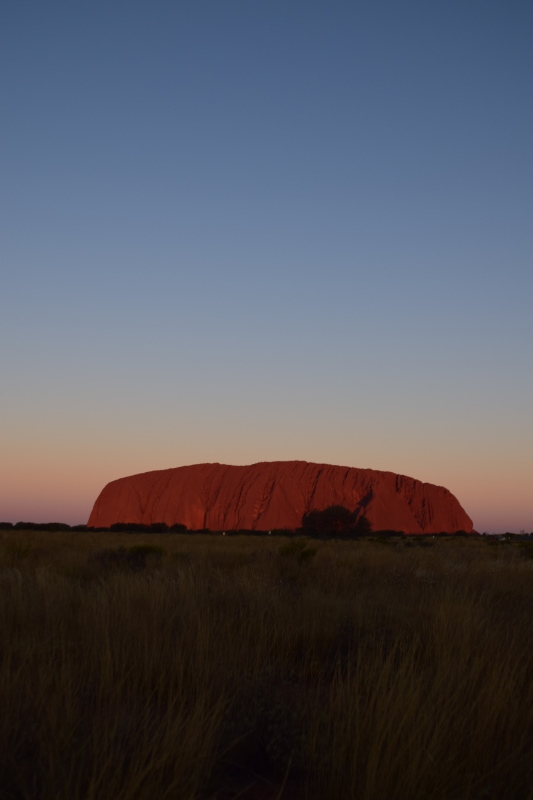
(247, 231)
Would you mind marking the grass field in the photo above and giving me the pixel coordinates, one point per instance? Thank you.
(150, 667)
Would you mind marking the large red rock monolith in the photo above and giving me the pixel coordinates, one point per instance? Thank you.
(276, 494)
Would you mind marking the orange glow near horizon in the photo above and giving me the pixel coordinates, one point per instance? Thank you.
(64, 490)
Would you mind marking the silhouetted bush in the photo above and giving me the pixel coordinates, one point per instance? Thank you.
(128, 527)
(335, 521)
(55, 526)
(26, 526)
(363, 526)
(159, 527)
(139, 527)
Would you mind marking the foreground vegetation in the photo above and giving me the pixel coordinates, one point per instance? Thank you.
(209, 667)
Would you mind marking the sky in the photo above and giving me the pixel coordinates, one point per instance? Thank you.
(251, 231)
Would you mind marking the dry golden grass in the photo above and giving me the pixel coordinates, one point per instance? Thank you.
(219, 667)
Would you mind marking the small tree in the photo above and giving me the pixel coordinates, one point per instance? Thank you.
(363, 526)
(334, 521)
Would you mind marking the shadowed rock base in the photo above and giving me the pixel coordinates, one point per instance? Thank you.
(276, 494)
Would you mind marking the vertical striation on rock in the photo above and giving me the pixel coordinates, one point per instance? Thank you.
(276, 494)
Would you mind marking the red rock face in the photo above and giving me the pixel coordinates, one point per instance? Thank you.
(276, 494)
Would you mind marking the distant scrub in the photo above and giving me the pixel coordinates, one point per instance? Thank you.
(330, 523)
(155, 527)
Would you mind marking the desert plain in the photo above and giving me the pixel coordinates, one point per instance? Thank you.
(202, 667)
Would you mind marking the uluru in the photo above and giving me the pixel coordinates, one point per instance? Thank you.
(276, 494)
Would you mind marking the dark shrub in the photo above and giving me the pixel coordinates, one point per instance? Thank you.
(139, 527)
(55, 526)
(41, 526)
(363, 526)
(335, 521)
(178, 527)
(159, 527)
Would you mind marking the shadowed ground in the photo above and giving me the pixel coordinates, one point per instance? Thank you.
(204, 667)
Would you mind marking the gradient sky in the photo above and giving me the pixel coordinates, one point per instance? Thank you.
(244, 231)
